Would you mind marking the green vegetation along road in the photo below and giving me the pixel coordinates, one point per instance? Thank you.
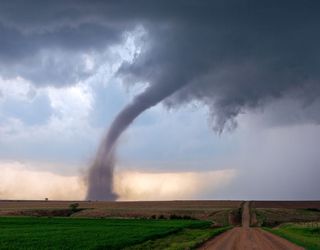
(185, 239)
(304, 234)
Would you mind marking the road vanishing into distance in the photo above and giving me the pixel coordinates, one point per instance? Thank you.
(248, 238)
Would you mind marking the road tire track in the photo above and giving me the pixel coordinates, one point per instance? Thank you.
(247, 238)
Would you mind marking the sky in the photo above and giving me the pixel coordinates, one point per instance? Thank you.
(232, 89)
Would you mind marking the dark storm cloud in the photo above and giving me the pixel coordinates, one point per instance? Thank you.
(54, 56)
(237, 58)
(232, 54)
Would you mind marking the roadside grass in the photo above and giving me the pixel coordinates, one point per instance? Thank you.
(271, 217)
(184, 239)
(305, 234)
(78, 233)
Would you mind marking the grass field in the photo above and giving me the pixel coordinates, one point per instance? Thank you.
(78, 233)
(274, 213)
(306, 234)
(271, 217)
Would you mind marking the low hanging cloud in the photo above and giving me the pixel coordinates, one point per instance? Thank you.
(21, 182)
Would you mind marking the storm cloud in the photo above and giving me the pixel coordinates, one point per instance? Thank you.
(228, 55)
(232, 57)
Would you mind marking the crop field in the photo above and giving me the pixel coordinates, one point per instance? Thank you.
(75, 233)
(274, 213)
(185, 239)
(132, 205)
(304, 234)
(222, 213)
(113, 225)
(199, 204)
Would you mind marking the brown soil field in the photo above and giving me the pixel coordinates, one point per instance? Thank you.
(286, 204)
(193, 204)
(221, 212)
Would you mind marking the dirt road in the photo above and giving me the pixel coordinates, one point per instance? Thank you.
(248, 238)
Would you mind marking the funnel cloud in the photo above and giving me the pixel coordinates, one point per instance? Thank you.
(100, 178)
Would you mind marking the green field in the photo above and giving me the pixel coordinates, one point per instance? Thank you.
(185, 239)
(76, 233)
(306, 235)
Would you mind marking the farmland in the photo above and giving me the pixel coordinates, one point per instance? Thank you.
(222, 213)
(114, 225)
(156, 224)
(185, 239)
(74, 233)
(274, 213)
(296, 221)
(303, 234)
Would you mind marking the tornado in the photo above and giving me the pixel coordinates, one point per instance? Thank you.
(100, 176)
